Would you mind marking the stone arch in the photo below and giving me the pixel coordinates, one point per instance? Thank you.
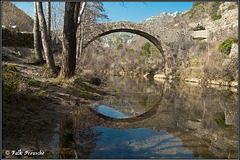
(103, 29)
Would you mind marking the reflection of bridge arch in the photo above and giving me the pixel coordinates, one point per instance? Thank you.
(143, 116)
(147, 32)
(98, 119)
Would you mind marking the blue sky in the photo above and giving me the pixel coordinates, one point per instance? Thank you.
(128, 11)
(139, 11)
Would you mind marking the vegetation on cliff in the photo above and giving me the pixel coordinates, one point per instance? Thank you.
(226, 45)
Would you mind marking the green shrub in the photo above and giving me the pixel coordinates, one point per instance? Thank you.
(124, 60)
(216, 17)
(145, 49)
(58, 81)
(10, 80)
(33, 82)
(76, 115)
(191, 15)
(68, 132)
(198, 28)
(130, 50)
(77, 77)
(216, 4)
(118, 43)
(231, 7)
(48, 72)
(32, 57)
(226, 45)
(196, 4)
(220, 121)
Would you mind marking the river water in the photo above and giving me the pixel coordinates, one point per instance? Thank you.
(155, 119)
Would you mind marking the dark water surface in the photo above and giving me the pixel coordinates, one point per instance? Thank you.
(156, 120)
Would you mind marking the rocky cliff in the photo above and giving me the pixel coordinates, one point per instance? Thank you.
(211, 25)
(207, 48)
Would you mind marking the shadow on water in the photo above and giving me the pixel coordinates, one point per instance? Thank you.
(165, 120)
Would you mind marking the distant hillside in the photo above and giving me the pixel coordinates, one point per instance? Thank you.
(13, 16)
(162, 18)
(111, 38)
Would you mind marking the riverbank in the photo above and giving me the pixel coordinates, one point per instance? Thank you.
(34, 104)
(218, 84)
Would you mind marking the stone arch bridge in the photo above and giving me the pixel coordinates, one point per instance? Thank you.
(160, 37)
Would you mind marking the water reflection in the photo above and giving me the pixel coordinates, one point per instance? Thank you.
(138, 143)
(107, 111)
(132, 97)
(188, 122)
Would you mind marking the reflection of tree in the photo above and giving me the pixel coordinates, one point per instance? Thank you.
(85, 138)
(77, 139)
(66, 138)
(149, 96)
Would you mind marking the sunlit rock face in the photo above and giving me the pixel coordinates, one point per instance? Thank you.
(162, 18)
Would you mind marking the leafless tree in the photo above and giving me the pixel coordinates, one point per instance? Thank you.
(71, 23)
(93, 13)
(37, 37)
(48, 8)
(45, 38)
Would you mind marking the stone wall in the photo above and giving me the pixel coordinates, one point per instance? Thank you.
(11, 38)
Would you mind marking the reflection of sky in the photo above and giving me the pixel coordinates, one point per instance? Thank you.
(54, 143)
(107, 111)
(138, 143)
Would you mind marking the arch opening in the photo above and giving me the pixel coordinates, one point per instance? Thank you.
(149, 37)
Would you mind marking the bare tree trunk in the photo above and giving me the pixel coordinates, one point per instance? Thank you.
(80, 21)
(48, 8)
(81, 37)
(81, 42)
(71, 23)
(45, 38)
(37, 37)
(69, 41)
